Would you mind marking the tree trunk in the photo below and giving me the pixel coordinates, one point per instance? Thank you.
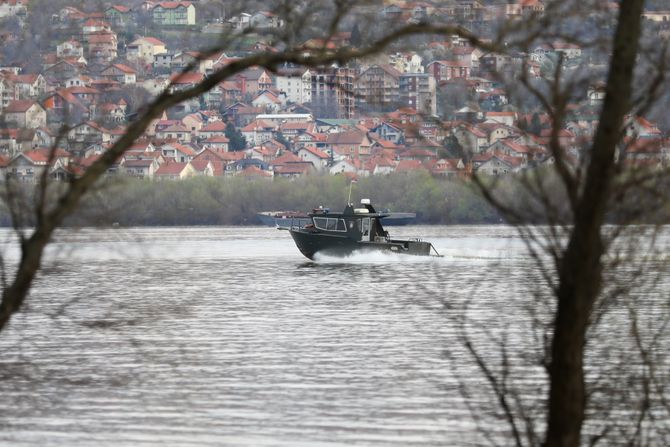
(580, 272)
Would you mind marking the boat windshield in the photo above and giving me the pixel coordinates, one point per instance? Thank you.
(330, 224)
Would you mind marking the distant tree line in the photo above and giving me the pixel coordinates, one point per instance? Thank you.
(236, 200)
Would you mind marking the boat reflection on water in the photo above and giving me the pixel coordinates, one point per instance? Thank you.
(353, 230)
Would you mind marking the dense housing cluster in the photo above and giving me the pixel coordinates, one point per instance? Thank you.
(440, 108)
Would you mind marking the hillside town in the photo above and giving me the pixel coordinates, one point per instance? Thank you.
(440, 109)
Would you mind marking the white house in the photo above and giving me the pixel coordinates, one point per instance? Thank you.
(296, 84)
(315, 156)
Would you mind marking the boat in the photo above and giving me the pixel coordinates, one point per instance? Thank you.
(353, 230)
(286, 219)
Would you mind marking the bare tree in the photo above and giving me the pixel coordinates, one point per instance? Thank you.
(572, 252)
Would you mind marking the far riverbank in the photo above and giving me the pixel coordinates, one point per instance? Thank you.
(236, 200)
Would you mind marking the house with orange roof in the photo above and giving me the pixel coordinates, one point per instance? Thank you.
(652, 150)
(417, 153)
(29, 86)
(258, 132)
(495, 131)
(193, 122)
(120, 73)
(61, 105)
(219, 159)
(292, 129)
(174, 170)
(145, 49)
(380, 165)
(354, 144)
(254, 81)
(205, 168)
(92, 26)
(510, 147)
(447, 167)
(506, 118)
(494, 163)
(139, 167)
(212, 129)
(62, 69)
(118, 15)
(25, 114)
(269, 101)
(293, 170)
(207, 154)
(182, 81)
(470, 137)
(317, 157)
(175, 132)
(637, 126)
(254, 172)
(70, 48)
(28, 166)
(216, 143)
(102, 46)
(89, 133)
(178, 152)
(72, 14)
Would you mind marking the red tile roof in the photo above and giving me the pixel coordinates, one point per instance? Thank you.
(19, 106)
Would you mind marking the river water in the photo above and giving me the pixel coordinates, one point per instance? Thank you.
(228, 336)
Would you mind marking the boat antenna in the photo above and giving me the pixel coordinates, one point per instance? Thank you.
(350, 185)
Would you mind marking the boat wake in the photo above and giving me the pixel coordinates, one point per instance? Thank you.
(373, 257)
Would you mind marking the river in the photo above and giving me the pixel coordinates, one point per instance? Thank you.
(227, 336)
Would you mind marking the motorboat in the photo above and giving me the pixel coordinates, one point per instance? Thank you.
(352, 230)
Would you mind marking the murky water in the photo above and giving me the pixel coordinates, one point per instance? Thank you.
(228, 336)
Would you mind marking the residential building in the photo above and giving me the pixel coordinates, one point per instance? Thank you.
(120, 73)
(445, 70)
(118, 15)
(25, 114)
(333, 93)
(102, 46)
(296, 84)
(145, 49)
(10, 8)
(418, 91)
(70, 48)
(377, 88)
(9, 91)
(173, 13)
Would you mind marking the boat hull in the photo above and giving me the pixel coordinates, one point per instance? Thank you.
(309, 243)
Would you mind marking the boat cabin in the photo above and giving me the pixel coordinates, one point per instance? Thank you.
(359, 224)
